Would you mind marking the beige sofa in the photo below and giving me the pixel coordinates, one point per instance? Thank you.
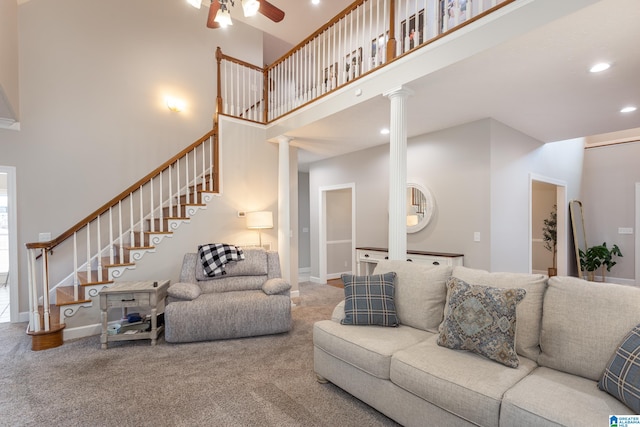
(567, 330)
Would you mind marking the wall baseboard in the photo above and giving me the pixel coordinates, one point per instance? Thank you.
(304, 274)
(314, 279)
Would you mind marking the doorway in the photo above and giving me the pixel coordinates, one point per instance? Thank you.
(337, 231)
(8, 246)
(547, 195)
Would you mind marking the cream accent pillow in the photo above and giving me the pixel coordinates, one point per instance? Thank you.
(420, 292)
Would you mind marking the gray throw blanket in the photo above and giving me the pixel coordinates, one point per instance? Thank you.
(215, 255)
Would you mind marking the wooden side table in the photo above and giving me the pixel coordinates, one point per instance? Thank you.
(127, 295)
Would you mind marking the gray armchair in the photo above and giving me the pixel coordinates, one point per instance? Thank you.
(250, 299)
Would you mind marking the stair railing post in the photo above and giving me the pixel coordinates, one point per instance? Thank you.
(34, 316)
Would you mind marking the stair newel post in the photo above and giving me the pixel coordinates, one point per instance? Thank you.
(45, 289)
(391, 44)
(34, 316)
(99, 247)
(219, 80)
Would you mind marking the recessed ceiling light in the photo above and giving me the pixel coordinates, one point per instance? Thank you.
(600, 67)
(315, 1)
(629, 109)
(384, 131)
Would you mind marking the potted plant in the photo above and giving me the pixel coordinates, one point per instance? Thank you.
(598, 256)
(550, 238)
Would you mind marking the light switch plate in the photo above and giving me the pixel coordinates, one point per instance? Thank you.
(625, 230)
(476, 236)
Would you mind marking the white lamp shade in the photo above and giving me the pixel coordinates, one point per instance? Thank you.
(223, 17)
(258, 220)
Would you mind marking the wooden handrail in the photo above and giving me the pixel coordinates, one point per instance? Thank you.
(353, 6)
(62, 237)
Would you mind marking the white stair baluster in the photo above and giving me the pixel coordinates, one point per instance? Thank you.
(99, 248)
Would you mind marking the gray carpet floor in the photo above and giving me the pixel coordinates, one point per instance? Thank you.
(260, 381)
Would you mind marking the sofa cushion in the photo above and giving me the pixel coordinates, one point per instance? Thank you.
(481, 319)
(551, 398)
(420, 292)
(254, 264)
(621, 379)
(368, 348)
(369, 300)
(584, 322)
(529, 311)
(463, 383)
(184, 291)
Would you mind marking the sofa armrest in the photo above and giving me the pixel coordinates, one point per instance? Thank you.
(338, 312)
(275, 286)
(184, 291)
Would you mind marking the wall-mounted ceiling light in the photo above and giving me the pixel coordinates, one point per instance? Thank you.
(174, 104)
(384, 131)
(195, 3)
(601, 66)
(629, 109)
(250, 7)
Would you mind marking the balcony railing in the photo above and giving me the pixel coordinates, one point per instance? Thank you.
(364, 37)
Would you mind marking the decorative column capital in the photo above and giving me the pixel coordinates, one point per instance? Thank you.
(400, 91)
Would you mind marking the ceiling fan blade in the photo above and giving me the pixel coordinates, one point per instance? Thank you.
(213, 10)
(271, 11)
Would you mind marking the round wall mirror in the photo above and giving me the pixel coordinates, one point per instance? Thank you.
(420, 205)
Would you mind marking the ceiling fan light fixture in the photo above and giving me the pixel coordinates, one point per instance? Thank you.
(223, 17)
(250, 7)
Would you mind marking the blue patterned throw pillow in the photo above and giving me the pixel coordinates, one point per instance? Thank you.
(369, 300)
(481, 319)
(621, 379)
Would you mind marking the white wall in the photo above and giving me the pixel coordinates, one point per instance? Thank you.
(610, 174)
(93, 77)
(9, 59)
(479, 175)
(304, 219)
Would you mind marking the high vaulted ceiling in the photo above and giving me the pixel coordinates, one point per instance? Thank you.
(537, 83)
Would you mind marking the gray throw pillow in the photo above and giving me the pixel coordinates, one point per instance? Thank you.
(481, 319)
(369, 300)
(186, 291)
(621, 379)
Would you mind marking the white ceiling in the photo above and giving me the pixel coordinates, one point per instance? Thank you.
(537, 83)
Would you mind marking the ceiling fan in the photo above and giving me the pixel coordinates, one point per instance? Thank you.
(219, 15)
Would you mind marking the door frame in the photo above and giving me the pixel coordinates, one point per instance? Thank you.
(636, 233)
(562, 236)
(13, 242)
(322, 232)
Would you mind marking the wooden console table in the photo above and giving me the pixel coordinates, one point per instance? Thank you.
(367, 258)
(127, 295)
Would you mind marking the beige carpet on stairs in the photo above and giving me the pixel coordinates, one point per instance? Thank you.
(261, 381)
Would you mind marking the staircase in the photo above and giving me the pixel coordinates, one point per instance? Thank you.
(99, 249)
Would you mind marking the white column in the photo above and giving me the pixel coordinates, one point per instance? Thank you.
(284, 207)
(398, 173)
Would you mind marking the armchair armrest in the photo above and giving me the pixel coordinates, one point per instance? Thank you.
(275, 286)
(338, 312)
(184, 291)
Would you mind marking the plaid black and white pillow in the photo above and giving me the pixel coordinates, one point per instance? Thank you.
(215, 255)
